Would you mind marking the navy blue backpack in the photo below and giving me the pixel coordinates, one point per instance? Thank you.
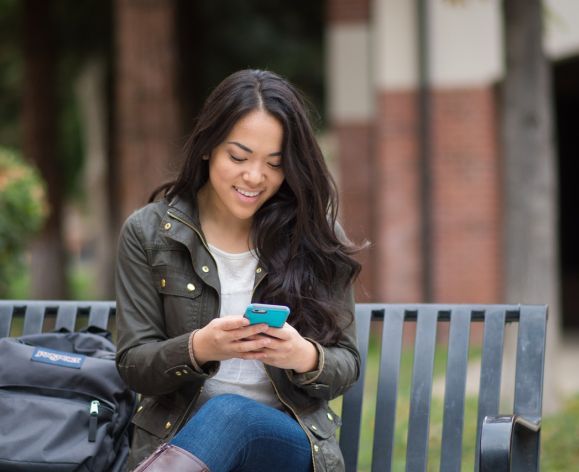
(63, 405)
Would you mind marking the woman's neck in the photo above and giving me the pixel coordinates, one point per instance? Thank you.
(226, 233)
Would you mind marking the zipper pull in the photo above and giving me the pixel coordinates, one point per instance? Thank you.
(93, 420)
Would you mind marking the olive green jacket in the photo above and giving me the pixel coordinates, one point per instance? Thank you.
(167, 286)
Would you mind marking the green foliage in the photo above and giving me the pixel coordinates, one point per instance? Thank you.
(22, 211)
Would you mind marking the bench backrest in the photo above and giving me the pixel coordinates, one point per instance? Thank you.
(40, 316)
(528, 376)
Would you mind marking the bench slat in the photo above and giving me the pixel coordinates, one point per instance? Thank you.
(529, 382)
(33, 319)
(418, 423)
(454, 393)
(491, 367)
(392, 334)
(5, 319)
(66, 317)
(352, 400)
(99, 315)
(530, 362)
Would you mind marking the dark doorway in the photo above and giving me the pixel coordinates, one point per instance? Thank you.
(566, 89)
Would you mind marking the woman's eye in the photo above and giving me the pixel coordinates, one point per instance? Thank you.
(275, 165)
(236, 159)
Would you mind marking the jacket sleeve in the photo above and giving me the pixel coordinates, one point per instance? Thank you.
(147, 360)
(338, 365)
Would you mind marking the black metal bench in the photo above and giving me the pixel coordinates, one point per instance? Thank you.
(504, 443)
(510, 442)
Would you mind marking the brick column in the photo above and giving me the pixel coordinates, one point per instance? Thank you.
(398, 229)
(350, 114)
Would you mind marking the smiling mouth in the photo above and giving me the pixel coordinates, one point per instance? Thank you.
(246, 193)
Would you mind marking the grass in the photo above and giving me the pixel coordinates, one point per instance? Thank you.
(560, 432)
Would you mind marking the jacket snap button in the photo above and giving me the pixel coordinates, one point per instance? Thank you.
(258, 270)
(314, 427)
(167, 226)
(178, 373)
(316, 448)
(163, 283)
(191, 287)
(205, 269)
(140, 409)
(168, 425)
(330, 417)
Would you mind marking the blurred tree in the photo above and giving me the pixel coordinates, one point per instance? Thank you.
(39, 123)
(146, 125)
(219, 37)
(141, 69)
(10, 72)
(530, 219)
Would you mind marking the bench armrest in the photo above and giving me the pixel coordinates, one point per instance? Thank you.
(498, 435)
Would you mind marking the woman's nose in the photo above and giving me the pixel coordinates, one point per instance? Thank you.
(254, 175)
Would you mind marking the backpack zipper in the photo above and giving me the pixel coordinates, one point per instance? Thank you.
(93, 420)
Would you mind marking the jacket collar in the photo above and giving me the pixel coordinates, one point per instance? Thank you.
(184, 227)
(187, 210)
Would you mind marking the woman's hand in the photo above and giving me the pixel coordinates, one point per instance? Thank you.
(287, 349)
(228, 337)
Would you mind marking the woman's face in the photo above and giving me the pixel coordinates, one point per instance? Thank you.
(245, 169)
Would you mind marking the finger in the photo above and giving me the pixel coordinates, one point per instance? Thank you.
(253, 356)
(256, 345)
(253, 337)
(234, 322)
(246, 331)
(286, 332)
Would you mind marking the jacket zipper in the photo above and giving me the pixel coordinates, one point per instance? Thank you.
(202, 239)
(191, 405)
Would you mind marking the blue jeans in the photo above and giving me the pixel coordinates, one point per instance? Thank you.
(234, 433)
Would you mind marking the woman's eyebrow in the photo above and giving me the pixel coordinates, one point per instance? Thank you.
(246, 149)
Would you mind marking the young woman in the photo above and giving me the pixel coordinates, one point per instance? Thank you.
(250, 218)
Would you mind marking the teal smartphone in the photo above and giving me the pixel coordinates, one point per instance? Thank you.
(272, 315)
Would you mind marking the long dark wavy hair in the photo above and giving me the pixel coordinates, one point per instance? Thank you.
(294, 232)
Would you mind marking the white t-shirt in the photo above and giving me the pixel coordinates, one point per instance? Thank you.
(243, 377)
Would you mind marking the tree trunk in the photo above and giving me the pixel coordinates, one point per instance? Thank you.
(531, 240)
(147, 114)
(39, 115)
(98, 225)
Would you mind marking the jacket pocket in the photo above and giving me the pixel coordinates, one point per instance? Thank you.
(179, 284)
(183, 303)
(323, 423)
(156, 417)
(322, 426)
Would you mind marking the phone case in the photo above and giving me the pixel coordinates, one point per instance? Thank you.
(273, 315)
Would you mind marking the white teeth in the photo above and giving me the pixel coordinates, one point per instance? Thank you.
(246, 193)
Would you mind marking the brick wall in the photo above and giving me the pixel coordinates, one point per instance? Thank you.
(466, 196)
(356, 202)
(397, 229)
(380, 187)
